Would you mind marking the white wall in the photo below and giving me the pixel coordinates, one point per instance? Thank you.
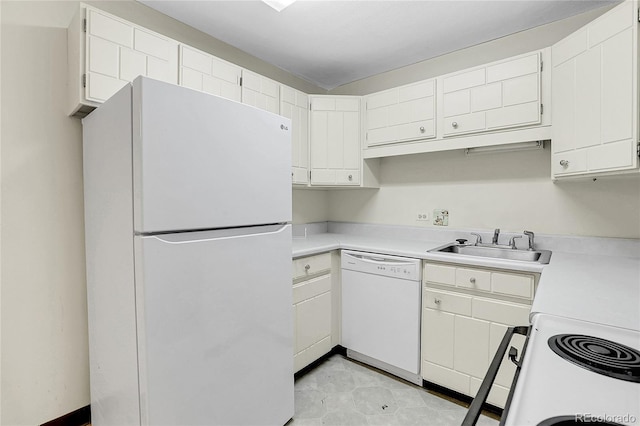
(43, 318)
(310, 206)
(512, 191)
(44, 327)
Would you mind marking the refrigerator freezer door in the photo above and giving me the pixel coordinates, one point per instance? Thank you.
(204, 162)
(215, 331)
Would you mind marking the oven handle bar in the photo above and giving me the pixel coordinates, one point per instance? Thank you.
(476, 405)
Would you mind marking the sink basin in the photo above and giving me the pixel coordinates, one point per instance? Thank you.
(539, 256)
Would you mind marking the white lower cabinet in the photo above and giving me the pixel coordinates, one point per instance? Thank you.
(312, 308)
(463, 325)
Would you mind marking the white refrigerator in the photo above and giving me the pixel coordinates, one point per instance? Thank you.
(188, 250)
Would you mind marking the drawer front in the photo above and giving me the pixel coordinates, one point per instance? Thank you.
(569, 162)
(440, 274)
(473, 279)
(512, 284)
(348, 177)
(464, 123)
(311, 288)
(447, 302)
(502, 312)
(307, 266)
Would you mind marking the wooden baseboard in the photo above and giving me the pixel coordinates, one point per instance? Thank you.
(79, 417)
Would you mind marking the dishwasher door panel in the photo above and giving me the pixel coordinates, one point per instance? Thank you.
(381, 318)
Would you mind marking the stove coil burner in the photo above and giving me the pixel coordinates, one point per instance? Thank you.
(598, 355)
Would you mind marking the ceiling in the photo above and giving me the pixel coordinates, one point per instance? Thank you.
(331, 43)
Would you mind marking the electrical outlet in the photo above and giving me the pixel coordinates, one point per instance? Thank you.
(422, 216)
(441, 217)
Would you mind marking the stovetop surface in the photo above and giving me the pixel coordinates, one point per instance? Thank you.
(549, 385)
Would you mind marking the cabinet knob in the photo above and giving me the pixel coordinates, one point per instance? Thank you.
(454, 124)
(350, 177)
(436, 301)
(291, 174)
(421, 129)
(472, 280)
(564, 163)
(307, 267)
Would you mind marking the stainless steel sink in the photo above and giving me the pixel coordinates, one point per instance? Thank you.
(539, 256)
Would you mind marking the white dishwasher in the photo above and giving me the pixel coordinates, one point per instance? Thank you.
(381, 302)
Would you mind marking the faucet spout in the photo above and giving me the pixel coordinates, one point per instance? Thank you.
(496, 233)
(530, 235)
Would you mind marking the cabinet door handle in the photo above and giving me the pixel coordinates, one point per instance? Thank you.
(307, 267)
(564, 163)
(350, 177)
(436, 301)
(454, 124)
(421, 129)
(472, 280)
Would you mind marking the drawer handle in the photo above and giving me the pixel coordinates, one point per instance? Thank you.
(454, 124)
(350, 177)
(564, 163)
(472, 280)
(421, 129)
(436, 301)
(307, 267)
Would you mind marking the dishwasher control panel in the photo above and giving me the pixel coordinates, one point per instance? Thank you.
(390, 266)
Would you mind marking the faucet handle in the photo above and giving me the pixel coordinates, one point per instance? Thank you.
(478, 238)
(512, 241)
(496, 234)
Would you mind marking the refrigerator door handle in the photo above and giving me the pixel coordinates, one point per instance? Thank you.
(220, 234)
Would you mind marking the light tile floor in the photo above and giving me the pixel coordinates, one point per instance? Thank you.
(340, 392)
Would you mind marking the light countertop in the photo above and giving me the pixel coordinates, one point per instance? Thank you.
(597, 288)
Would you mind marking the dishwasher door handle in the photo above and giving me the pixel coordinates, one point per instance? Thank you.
(378, 260)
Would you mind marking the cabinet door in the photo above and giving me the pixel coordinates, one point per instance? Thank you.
(260, 92)
(437, 337)
(335, 140)
(313, 320)
(471, 346)
(497, 96)
(401, 114)
(595, 96)
(118, 51)
(295, 106)
(204, 72)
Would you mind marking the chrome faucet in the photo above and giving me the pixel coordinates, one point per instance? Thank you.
(530, 235)
(495, 236)
(478, 238)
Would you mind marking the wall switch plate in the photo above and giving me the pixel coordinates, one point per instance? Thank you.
(441, 217)
(422, 216)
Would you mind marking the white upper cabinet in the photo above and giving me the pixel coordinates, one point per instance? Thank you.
(496, 96)
(295, 106)
(401, 114)
(335, 140)
(595, 96)
(260, 92)
(106, 52)
(204, 72)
